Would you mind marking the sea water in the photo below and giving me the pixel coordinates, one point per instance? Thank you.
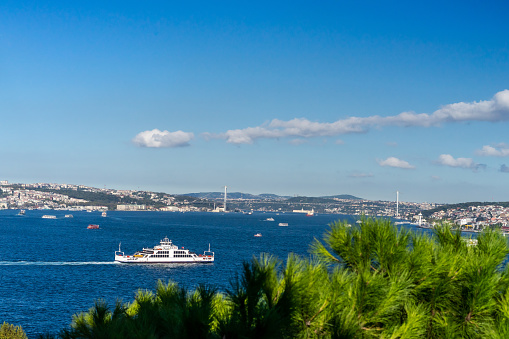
(51, 269)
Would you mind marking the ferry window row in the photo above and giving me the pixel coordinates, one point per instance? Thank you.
(167, 256)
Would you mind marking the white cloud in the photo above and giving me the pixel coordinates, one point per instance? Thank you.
(500, 150)
(449, 160)
(156, 138)
(496, 109)
(395, 162)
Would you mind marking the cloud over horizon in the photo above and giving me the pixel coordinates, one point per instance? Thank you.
(395, 162)
(496, 109)
(499, 150)
(158, 139)
(449, 160)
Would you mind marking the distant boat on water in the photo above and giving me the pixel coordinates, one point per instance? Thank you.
(302, 210)
(21, 212)
(269, 219)
(283, 224)
(92, 227)
(258, 235)
(104, 214)
(49, 216)
(402, 222)
(310, 213)
(69, 216)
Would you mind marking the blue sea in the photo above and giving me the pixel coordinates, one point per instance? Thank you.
(51, 269)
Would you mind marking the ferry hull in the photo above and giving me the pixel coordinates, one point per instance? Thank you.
(164, 253)
(132, 260)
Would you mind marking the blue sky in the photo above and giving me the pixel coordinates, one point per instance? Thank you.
(291, 98)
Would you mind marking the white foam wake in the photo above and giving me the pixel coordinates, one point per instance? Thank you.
(55, 263)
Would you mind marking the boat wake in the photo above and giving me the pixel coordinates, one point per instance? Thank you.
(55, 263)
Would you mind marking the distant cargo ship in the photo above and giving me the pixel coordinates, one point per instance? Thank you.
(307, 212)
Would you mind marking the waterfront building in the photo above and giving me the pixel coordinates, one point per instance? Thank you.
(131, 207)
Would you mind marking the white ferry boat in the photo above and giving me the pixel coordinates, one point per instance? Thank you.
(165, 252)
(49, 216)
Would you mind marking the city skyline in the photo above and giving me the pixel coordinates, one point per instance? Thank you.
(288, 98)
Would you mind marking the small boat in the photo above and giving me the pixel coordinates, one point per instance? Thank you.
(69, 216)
(165, 252)
(103, 214)
(258, 235)
(283, 224)
(269, 219)
(310, 213)
(92, 227)
(49, 216)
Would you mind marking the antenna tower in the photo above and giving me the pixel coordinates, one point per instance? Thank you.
(225, 198)
(397, 203)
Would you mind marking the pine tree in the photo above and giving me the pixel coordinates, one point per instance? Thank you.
(370, 280)
(9, 331)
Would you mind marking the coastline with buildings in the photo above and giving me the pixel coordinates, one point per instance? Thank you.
(51, 196)
(473, 216)
(80, 197)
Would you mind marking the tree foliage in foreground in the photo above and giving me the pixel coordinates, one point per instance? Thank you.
(371, 280)
(9, 331)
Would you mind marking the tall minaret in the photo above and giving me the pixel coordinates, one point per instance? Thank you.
(225, 198)
(397, 203)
